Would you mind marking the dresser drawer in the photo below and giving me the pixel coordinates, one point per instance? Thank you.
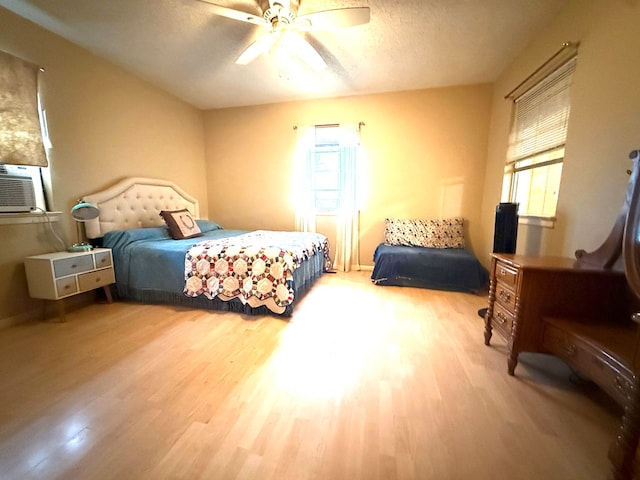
(99, 278)
(72, 265)
(66, 286)
(506, 274)
(506, 296)
(502, 320)
(592, 363)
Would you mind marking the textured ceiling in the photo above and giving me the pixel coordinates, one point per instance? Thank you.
(181, 47)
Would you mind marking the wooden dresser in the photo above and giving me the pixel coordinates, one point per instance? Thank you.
(585, 311)
(524, 289)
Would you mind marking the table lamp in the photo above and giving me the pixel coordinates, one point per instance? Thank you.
(81, 212)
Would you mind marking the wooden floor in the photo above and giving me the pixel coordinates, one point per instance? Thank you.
(363, 382)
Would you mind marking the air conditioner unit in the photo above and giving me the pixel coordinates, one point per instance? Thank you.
(16, 194)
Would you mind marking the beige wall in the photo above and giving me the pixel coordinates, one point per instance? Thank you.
(425, 152)
(105, 124)
(604, 125)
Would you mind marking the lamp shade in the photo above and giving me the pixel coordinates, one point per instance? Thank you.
(83, 211)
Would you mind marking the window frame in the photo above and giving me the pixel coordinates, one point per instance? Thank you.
(40, 174)
(545, 111)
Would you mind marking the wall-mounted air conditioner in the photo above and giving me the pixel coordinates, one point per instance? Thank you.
(16, 194)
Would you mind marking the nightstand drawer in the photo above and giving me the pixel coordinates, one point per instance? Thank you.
(506, 274)
(66, 286)
(103, 259)
(72, 265)
(99, 278)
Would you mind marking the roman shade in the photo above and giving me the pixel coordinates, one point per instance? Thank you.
(20, 134)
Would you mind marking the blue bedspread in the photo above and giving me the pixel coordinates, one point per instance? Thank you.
(455, 269)
(150, 265)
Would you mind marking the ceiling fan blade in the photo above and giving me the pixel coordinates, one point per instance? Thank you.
(235, 14)
(303, 50)
(330, 19)
(262, 45)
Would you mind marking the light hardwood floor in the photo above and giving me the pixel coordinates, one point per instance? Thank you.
(363, 382)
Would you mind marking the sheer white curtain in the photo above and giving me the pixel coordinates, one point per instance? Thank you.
(348, 216)
(303, 195)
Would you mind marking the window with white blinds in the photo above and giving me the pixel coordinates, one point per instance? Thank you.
(536, 143)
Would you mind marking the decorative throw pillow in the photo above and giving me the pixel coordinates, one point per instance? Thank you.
(181, 224)
(431, 233)
(445, 233)
(405, 232)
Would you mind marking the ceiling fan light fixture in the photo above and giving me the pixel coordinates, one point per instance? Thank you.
(281, 17)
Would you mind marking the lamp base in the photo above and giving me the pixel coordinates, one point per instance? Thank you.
(80, 247)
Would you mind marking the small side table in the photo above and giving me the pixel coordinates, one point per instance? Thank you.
(56, 276)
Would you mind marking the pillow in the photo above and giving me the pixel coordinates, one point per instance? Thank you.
(122, 238)
(181, 224)
(432, 233)
(208, 225)
(405, 232)
(446, 233)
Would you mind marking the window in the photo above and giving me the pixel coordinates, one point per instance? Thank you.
(326, 179)
(40, 176)
(23, 129)
(326, 170)
(537, 142)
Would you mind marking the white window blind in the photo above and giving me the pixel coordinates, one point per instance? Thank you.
(537, 142)
(541, 118)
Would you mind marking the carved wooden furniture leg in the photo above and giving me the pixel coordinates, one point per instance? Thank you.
(489, 315)
(512, 362)
(623, 450)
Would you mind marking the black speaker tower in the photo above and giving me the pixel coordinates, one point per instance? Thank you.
(505, 231)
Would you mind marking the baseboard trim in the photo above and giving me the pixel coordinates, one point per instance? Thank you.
(47, 310)
(23, 317)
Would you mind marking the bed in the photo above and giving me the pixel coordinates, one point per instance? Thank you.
(427, 254)
(165, 254)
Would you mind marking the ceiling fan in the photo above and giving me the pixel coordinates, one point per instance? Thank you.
(286, 28)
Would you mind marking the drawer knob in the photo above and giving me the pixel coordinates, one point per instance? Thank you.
(501, 318)
(504, 295)
(97, 279)
(503, 272)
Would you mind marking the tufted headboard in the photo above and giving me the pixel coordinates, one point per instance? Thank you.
(136, 202)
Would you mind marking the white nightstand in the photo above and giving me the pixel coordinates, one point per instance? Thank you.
(55, 276)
